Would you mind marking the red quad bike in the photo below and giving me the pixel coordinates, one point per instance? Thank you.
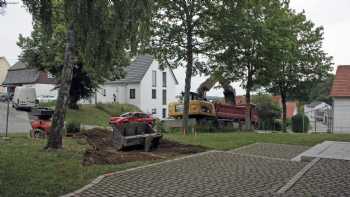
(131, 117)
(42, 122)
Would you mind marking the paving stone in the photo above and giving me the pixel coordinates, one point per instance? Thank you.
(211, 174)
(281, 151)
(327, 177)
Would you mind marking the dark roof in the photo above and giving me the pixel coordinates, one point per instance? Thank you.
(18, 66)
(137, 70)
(341, 83)
(19, 74)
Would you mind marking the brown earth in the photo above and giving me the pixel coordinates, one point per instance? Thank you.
(101, 150)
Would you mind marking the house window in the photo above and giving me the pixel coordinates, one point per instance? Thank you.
(132, 93)
(154, 93)
(104, 92)
(164, 113)
(154, 78)
(164, 97)
(154, 111)
(164, 79)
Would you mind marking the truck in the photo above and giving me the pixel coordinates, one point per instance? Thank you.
(205, 111)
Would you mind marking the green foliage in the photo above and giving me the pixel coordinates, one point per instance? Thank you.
(300, 123)
(159, 126)
(268, 111)
(98, 114)
(50, 104)
(103, 30)
(116, 109)
(72, 127)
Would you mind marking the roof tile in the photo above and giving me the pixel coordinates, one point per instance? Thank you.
(341, 84)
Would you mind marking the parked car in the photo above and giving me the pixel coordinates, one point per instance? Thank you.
(46, 98)
(24, 98)
(131, 117)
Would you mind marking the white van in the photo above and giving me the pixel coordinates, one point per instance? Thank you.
(24, 98)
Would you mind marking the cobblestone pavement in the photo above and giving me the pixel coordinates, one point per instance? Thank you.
(326, 178)
(281, 151)
(210, 174)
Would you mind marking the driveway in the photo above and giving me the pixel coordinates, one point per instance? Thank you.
(18, 120)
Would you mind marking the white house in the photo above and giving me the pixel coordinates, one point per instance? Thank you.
(341, 100)
(145, 85)
(22, 75)
(4, 66)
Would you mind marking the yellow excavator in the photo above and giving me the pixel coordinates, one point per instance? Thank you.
(199, 106)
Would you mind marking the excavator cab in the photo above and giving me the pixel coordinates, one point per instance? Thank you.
(199, 107)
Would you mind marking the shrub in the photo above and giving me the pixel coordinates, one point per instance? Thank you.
(300, 123)
(73, 127)
(159, 125)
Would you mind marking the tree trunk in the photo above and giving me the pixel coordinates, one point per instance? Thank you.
(55, 138)
(284, 112)
(248, 121)
(189, 67)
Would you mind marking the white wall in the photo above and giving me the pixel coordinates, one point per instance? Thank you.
(147, 103)
(4, 66)
(43, 89)
(122, 92)
(341, 122)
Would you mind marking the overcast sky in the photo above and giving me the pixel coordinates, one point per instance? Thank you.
(333, 15)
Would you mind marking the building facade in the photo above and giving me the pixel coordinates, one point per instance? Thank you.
(4, 66)
(341, 100)
(20, 75)
(145, 85)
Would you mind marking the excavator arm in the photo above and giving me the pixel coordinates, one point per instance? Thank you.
(229, 91)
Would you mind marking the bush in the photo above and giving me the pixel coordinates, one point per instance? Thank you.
(159, 125)
(73, 127)
(300, 123)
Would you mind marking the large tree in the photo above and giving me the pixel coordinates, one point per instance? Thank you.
(95, 34)
(177, 39)
(297, 56)
(239, 39)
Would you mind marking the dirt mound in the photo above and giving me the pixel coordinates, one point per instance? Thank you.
(101, 149)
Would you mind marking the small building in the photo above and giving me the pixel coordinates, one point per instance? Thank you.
(20, 75)
(4, 66)
(145, 85)
(341, 100)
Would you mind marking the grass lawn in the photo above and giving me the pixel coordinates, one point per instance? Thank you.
(98, 115)
(27, 170)
(231, 140)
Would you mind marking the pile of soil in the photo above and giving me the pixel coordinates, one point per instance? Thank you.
(101, 150)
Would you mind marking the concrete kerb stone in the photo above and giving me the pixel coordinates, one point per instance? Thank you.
(100, 178)
(243, 147)
(259, 156)
(295, 178)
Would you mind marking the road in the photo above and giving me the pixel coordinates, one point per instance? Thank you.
(18, 120)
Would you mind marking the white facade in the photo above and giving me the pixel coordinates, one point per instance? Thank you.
(4, 66)
(341, 114)
(152, 81)
(43, 89)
